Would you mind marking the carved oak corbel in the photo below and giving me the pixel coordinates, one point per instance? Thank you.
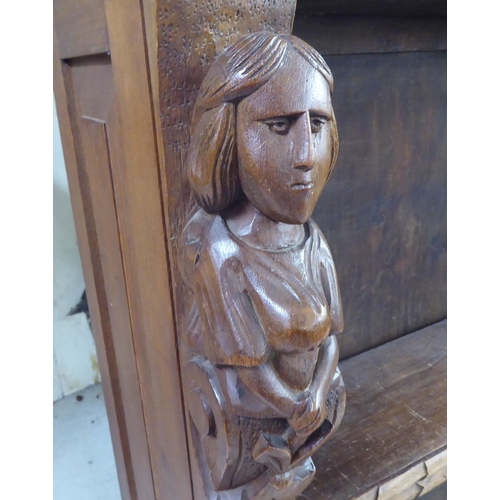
(264, 390)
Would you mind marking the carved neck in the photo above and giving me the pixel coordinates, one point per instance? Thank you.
(259, 231)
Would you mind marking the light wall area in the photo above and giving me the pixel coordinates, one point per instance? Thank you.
(75, 360)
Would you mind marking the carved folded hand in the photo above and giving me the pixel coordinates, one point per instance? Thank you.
(309, 413)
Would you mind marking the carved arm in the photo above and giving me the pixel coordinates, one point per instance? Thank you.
(310, 404)
(305, 410)
(265, 383)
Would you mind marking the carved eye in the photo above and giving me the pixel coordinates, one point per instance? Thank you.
(317, 123)
(279, 126)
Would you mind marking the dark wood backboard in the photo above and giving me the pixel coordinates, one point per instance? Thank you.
(383, 211)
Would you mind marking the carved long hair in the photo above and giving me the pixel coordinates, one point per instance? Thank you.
(238, 72)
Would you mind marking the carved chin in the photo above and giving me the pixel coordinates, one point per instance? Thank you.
(300, 215)
(301, 218)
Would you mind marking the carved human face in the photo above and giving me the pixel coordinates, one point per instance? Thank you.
(284, 142)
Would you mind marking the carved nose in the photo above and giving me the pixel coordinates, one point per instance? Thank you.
(304, 148)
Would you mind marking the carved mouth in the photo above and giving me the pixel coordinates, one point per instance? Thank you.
(302, 185)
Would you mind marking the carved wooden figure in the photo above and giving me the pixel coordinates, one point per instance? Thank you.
(264, 387)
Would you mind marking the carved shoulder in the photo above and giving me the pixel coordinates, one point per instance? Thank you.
(329, 279)
(212, 268)
(191, 243)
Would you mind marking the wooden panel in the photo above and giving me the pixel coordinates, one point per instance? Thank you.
(383, 211)
(395, 419)
(89, 81)
(89, 252)
(118, 335)
(80, 27)
(358, 35)
(374, 7)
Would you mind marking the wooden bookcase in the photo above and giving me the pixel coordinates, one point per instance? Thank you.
(124, 92)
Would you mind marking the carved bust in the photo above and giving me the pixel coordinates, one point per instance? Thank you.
(265, 390)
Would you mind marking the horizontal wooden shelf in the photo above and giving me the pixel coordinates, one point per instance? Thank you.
(392, 441)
